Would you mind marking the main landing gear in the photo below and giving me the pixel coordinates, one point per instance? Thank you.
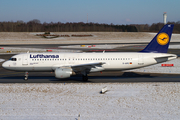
(26, 76)
(85, 78)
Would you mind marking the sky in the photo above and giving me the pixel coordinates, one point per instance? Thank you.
(97, 11)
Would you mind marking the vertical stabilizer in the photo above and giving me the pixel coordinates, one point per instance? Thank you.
(160, 42)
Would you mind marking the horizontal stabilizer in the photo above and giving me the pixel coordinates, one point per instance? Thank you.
(164, 59)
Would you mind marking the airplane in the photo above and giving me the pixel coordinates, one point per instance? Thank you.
(66, 64)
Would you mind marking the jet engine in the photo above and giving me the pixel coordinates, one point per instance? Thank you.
(63, 72)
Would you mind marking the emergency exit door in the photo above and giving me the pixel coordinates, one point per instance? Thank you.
(25, 60)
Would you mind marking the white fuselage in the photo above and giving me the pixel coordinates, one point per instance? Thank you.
(112, 60)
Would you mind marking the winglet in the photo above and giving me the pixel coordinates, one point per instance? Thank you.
(160, 42)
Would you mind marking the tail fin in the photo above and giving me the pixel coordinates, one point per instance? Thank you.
(160, 42)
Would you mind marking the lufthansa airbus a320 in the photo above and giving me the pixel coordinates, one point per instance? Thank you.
(66, 64)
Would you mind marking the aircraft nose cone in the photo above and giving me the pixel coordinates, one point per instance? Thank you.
(5, 65)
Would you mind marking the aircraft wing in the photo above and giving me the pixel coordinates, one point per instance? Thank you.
(81, 68)
(88, 64)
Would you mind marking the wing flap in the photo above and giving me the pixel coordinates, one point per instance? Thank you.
(88, 64)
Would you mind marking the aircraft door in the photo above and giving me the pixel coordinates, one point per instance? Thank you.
(140, 60)
(25, 60)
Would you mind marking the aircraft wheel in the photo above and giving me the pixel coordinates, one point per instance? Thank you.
(85, 78)
(26, 78)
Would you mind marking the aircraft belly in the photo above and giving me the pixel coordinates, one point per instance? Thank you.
(31, 68)
(42, 69)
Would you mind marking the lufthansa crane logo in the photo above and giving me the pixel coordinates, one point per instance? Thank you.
(162, 38)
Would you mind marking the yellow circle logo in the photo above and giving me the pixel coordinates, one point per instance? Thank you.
(162, 38)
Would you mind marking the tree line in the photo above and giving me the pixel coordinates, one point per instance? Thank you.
(155, 27)
(36, 26)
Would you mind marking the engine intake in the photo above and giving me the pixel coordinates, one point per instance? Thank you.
(63, 73)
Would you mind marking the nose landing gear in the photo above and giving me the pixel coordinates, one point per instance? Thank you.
(26, 76)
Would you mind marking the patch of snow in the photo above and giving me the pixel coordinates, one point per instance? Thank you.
(2, 60)
(174, 46)
(152, 33)
(22, 50)
(59, 101)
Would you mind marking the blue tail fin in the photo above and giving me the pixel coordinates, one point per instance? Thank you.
(160, 42)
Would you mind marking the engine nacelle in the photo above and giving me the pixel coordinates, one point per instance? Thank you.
(63, 73)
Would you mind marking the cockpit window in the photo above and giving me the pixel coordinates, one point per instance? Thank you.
(13, 59)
